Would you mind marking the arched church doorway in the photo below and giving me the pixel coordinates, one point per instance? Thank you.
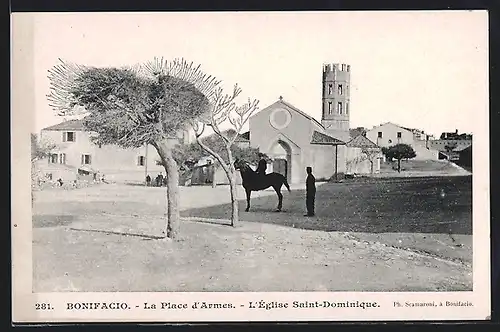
(282, 159)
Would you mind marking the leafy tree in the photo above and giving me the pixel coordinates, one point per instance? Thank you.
(39, 150)
(134, 106)
(224, 109)
(399, 152)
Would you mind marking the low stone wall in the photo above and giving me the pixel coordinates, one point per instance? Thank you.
(66, 185)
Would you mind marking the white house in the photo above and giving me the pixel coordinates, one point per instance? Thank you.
(388, 134)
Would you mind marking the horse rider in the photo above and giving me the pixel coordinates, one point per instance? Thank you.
(261, 168)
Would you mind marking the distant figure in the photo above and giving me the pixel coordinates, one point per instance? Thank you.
(261, 168)
(159, 180)
(310, 192)
(148, 180)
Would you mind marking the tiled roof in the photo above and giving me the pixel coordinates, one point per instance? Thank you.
(320, 138)
(67, 125)
(361, 141)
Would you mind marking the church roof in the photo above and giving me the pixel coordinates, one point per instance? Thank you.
(361, 141)
(320, 138)
(301, 112)
(67, 125)
(287, 104)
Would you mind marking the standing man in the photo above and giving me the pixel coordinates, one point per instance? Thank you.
(159, 180)
(310, 192)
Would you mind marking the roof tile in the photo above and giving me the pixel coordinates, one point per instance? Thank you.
(320, 138)
(68, 125)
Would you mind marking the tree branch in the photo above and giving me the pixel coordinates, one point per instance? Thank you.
(213, 154)
(244, 112)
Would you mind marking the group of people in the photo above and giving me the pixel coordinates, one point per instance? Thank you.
(310, 186)
(160, 181)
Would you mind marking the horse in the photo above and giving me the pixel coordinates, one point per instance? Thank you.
(252, 181)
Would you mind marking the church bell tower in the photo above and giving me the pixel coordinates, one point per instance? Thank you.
(335, 107)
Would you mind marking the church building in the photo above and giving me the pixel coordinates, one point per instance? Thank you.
(295, 140)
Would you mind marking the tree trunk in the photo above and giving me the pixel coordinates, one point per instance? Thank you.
(234, 199)
(231, 175)
(232, 183)
(214, 170)
(399, 165)
(172, 222)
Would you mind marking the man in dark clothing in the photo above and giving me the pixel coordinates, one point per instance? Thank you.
(310, 192)
(159, 180)
(261, 168)
(148, 180)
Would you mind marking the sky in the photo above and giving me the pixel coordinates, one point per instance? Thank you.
(426, 70)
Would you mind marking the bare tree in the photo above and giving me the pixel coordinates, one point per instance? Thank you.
(371, 155)
(352, 162)
(135, 106)
(225, 109)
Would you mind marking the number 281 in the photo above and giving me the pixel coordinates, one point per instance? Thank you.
(43, 306)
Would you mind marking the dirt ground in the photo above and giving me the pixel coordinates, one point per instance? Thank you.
(369, 235)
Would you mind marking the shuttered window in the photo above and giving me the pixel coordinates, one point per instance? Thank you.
(86, 159)
(69, 136)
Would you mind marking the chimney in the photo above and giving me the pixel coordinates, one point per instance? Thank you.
(456, 131)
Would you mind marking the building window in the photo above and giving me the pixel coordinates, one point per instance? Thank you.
(346, 108)
(343, 67)
(339, 89)
(330, 89)
(339, 107)
(86, 159)
(141, 161)
(329, 107)
(53, 158)
(69, 136)
(399, 134)
(379, 134)
(62, 158)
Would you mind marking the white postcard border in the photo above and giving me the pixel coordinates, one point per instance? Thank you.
(24, 301)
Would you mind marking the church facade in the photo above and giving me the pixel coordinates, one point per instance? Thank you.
(295, 140)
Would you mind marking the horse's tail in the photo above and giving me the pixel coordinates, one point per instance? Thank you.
(285, 182)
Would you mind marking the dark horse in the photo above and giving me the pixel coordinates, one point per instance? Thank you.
(252, 181)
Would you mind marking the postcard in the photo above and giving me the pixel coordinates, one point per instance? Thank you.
(250, 166)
